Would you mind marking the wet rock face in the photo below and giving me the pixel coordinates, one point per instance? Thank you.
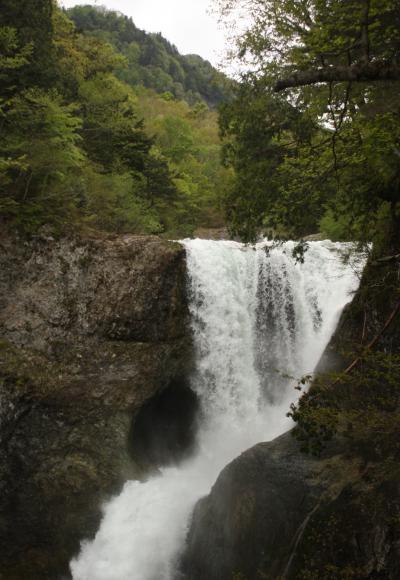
(248, 524)
(276, 513)
(356, 534)
(90, 330)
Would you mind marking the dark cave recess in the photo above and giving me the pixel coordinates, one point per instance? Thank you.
(164, 431)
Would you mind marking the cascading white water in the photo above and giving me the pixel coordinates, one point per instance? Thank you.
(257, 317)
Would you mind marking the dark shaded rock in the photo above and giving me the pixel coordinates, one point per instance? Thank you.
(91, 330)
(357, 534)
(248, 526)
(277, 513)
(164, 430)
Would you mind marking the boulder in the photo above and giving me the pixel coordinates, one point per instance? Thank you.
(249, 524)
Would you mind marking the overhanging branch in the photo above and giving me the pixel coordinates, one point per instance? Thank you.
(372, 71)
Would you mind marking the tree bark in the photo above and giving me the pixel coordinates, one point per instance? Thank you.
(372, 71)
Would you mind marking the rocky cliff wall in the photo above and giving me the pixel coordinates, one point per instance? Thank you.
(90, 330)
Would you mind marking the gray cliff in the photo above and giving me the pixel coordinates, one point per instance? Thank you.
(90, 331)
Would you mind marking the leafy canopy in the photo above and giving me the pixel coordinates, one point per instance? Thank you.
(83, 144)
(317, 119)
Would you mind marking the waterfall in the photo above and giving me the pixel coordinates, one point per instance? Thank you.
(257, 319)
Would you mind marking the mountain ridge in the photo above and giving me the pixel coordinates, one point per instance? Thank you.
(152, 60)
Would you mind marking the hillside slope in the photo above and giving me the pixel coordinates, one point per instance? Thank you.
(153, 61)
(83, 149)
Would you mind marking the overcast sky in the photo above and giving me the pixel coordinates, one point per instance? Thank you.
(186, 23)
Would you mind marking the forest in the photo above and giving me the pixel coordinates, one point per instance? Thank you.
(314, 131)
(152, 61)
(105, 127)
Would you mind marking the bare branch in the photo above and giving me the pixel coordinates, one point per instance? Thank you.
(372, 71)
(386, 260)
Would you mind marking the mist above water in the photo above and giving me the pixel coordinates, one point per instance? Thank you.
(257, 318)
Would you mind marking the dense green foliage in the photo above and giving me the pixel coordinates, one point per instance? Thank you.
(152, 61)
(325, 153)
(81, 147)
(314, 137)
(35, 32)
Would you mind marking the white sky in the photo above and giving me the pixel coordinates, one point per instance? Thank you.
(186, 23)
